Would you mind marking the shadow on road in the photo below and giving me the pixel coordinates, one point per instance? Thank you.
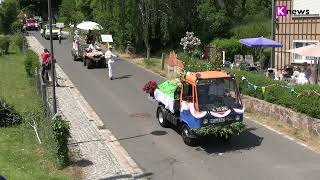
(144, 176)
(245, 141)
(123, 77)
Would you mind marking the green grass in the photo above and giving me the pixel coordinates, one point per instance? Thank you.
(21, 156)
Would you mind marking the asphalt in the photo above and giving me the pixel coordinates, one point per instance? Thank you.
(258, 153)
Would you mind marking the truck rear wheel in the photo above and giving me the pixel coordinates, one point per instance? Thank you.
(162, 118)
(88, 64)
(187, 137)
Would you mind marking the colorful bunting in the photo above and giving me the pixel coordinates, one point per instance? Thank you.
(291, 89)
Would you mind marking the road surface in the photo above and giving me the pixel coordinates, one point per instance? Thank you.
(256, 154)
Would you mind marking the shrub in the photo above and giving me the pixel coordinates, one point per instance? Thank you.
(31, 63)
(4, 44)
(8, 115)
(17, 40)
(16, 26)
(194, 64)
(283, 96)
(231, 47)
(61, 134)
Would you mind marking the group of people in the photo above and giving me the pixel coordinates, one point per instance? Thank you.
(109, 55)
(292, 74)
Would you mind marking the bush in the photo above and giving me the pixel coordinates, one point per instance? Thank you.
(231, 46)
(31, 63)
(8, 115)
(253, 27)
(283, 96)
(17, 41)
(16, 26)
(61, 134)
(194, 64)
(4, 44)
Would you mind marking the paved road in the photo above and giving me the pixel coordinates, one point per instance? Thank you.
(256, 154)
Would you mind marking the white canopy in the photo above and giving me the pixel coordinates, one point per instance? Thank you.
(311, 50)
(89, 25)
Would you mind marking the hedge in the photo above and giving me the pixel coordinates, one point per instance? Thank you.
(4, 44)
(8, 114)
(61, 133)
(309, 105)
(31, 62)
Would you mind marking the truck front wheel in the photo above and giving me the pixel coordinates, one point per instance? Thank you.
(162, 118)
(186, 134)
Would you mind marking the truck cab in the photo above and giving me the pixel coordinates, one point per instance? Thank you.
(208, 98)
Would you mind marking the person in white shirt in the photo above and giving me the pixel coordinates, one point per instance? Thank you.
(111, 57)
(93, 46)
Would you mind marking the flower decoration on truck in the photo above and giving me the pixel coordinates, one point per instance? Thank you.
(150, 87)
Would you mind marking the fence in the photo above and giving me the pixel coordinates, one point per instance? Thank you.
(44, 91)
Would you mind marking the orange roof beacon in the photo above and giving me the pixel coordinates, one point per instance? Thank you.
(205, 100)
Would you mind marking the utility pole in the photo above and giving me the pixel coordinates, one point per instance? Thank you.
(273, 24)
(53, 61)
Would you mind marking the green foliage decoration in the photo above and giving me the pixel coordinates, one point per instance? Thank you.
(224, 131)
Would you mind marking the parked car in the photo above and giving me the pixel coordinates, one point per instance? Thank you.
(45, 31)
(31, 24)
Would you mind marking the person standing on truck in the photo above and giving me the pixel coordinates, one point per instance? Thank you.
(45, 63)
(89, 37)
(94, 47)
(111, 57)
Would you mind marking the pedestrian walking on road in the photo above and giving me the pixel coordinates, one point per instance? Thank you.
(111, 57)
(45, 63)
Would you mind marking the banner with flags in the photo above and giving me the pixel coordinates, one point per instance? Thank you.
(291, 89)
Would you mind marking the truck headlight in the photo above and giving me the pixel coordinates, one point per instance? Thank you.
(205, 121)
(238, 117)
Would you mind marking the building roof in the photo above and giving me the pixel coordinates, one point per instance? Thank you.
(193, 76)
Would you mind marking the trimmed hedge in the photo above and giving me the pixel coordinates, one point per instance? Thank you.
(61, 134)
(17, 41)
(31, 63)
(309, 105)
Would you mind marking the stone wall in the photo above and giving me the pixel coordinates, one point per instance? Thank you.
(292, 118)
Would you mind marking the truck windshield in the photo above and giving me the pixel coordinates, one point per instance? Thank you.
(217, 94)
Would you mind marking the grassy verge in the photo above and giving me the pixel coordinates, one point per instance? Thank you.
(299, 134)
(21, 156)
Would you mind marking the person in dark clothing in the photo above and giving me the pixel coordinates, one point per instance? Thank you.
(89, 37)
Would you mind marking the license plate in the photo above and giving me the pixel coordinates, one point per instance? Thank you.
(217, 120)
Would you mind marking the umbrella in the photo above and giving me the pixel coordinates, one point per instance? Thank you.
(311, 50)
(89, 25)
(260, 42)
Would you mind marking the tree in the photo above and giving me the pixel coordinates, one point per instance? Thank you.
(8, 15)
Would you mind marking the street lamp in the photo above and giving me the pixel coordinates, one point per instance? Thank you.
(273, 23)
(54, 104)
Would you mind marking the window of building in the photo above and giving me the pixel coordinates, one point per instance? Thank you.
(296, 58)
(313, 6)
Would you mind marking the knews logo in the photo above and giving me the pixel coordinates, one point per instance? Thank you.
(282, 11)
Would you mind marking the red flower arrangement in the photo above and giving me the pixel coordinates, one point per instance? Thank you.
(150, 87)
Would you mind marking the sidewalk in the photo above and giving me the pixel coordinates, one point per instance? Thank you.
(101, 155)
